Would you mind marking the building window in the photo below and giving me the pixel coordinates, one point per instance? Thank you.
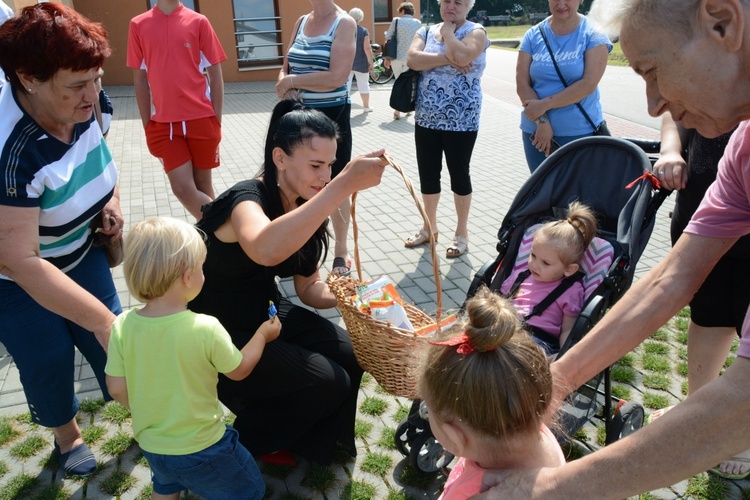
(190, 4)
(257, 31)
(382, 10)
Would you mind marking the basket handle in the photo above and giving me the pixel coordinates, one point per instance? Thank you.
(420, 208)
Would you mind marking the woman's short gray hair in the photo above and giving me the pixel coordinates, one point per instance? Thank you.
(357, 14)
(611, 16)
(470, 3)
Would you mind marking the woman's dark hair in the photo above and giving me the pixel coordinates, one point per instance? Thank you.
(47, 37)
(291, 126)
(406, 8)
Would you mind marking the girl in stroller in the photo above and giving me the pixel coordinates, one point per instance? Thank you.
(485, 392)
(549, 294)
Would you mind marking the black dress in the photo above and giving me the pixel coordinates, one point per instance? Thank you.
(302, 395)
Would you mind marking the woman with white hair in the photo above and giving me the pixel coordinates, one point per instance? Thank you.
(362, 64)
(451, 56)
(697, 70)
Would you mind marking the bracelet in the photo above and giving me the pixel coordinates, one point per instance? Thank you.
(291, 81)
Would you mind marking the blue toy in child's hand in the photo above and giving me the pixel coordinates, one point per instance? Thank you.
(271, 310)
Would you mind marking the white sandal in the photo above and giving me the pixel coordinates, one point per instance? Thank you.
(419, 239)
(457, 248)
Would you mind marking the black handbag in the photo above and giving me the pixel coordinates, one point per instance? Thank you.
(404, 91)
(600, 129)
(390, 49)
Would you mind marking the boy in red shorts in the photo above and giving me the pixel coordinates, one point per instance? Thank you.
(168, 48)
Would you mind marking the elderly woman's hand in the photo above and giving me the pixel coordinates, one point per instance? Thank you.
(112, 220)
(285, 87)
(671, 170)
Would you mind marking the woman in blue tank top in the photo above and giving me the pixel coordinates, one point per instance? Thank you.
(316, 67)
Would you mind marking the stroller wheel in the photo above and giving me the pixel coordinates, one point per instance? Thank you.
(403, 437)
(626, 421)
(427, 454)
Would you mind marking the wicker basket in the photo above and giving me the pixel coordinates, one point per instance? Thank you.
(389, 354)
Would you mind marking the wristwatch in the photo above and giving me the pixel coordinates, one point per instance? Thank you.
(542, 119)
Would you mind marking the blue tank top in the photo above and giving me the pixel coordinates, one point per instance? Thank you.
(311, 54)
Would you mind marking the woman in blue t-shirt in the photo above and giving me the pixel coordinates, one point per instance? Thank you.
(550, 110)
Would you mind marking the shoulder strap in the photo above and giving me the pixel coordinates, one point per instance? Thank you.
(555, 294)
(519, 279)
(562, 79)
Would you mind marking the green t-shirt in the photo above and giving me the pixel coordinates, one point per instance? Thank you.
(171, 367)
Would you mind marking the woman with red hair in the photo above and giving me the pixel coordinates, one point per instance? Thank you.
(56, 176)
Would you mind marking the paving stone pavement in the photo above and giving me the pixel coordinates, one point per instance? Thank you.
(387, 215)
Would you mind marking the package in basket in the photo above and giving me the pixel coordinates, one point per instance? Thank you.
(380, 299)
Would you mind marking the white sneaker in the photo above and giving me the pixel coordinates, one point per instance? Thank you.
(367, 110)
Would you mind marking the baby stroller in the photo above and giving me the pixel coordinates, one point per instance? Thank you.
(612, 176)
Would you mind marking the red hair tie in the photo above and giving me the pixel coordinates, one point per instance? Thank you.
(462, 341)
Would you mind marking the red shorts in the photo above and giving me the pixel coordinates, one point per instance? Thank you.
(177, 143)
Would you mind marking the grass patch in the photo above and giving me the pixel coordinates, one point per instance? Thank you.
(706, 486)
(580, 435)
(655, 363)
(401, 413)
(51, 461)
(91, 405)
(661, 335)
(616, 57)
(387, 438)
(507, 31)
(366, 378)
(25, 418)
(373, 406)
(682, 338)
(571, 451)
(655, 401)
(18, 487)
(621, 392)
(379, 389)
(657, 381)
(8, 431)
(139, 459)
(93, 434)
(730, 359)
(319, 478)
(118, 483)
(685, 388)
(735, 345)
(682, 368)
(376, 464)
(358, 490)
(601, 435)
(29, 447)
(682, 324)
(362, 429)
(682, 353)
(3, 468)
(116, 413)
(627, 360)
(117, 444)
(145, 493)
(53, 492)
(623, 374)
(684, 312)
(398, 495)
(412, 477)
(656, 348)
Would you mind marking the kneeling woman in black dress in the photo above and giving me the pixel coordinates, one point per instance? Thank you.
(302, 395)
